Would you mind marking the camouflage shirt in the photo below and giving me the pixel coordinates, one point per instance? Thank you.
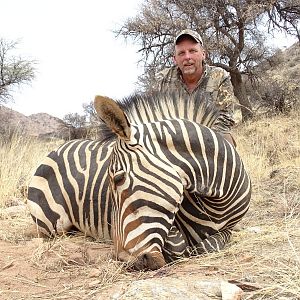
(215, 81)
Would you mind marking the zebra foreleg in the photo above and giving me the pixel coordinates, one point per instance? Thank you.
(49, 223)
(175, 246)
(213, 243)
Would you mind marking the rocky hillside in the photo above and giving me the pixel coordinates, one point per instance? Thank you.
(40, 124)
(277, 80)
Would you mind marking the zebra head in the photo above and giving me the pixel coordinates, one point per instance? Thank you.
(146, 191)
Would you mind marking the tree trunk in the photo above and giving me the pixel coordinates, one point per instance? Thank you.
(240, 92)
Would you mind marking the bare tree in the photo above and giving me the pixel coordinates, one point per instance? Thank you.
(284, 15)
(75, 120)
(90, 113)
(232, 30)
(83, 126)
(14, 70)
(89, 118)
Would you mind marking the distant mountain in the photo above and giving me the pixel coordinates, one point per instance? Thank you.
(47, 123)
(40, 124)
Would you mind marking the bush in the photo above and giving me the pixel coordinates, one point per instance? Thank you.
(274, 94)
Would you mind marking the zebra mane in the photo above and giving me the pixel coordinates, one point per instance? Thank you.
(158, 106)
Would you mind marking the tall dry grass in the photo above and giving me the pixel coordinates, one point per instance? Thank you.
(19, 156)
(267, 251)
(269, 144)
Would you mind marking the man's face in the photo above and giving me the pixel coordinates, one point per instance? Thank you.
(189, 56)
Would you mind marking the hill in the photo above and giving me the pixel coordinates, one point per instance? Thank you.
(40, 124)
(274, 84)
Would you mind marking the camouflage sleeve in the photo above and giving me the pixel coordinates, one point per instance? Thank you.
(227, 103)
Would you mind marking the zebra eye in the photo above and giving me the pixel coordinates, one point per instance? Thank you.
(119, 178)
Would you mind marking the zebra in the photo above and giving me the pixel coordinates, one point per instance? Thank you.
(208, 189)
(161, 187)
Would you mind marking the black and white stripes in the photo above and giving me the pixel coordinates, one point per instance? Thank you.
(65, 190)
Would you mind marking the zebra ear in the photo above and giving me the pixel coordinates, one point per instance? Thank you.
(113, 116)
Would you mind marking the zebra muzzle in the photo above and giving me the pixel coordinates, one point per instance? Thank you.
(145, 261)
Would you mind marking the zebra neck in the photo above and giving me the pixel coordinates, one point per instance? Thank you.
(198, 155)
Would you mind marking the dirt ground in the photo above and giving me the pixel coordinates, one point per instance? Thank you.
(263, 258)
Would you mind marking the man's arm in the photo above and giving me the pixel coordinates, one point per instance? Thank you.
(227, 103)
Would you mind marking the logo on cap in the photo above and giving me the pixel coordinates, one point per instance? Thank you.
(195, 35)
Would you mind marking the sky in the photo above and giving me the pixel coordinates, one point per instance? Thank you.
(78, 56)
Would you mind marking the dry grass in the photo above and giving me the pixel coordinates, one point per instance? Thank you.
(19, 157)
(269, 144)
(263, 257)
(271, 240)
(67, 257)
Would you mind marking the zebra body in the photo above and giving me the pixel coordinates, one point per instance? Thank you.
(160, 190)
(69, 190)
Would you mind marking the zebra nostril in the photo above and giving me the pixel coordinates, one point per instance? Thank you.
(145, 257)
(147, 260)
